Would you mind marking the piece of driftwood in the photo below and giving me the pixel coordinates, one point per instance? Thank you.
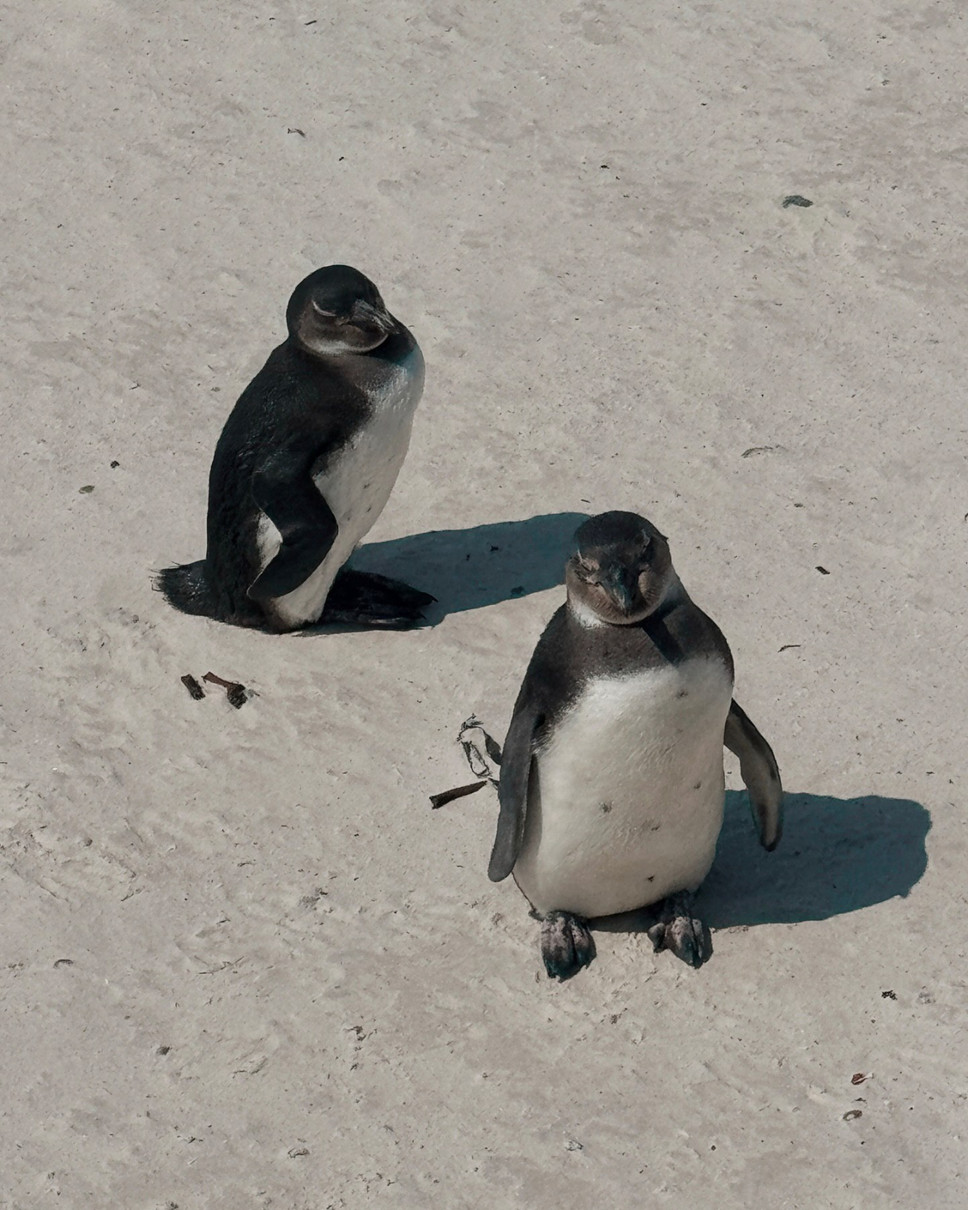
(193, 687)
(234, 691)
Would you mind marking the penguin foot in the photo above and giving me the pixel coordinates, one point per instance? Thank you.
(566, 944)
(678, 930)
(363, 598)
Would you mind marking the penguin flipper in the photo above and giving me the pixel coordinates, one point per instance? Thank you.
(512, 790)
(284, 490)
(758, 768)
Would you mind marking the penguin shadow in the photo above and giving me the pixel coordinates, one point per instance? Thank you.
(471, 568)
(837, 855)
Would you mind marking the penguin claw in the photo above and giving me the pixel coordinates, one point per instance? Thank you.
(676, 929)
(566, 944)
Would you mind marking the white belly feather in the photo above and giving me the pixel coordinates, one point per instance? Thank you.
(356, 486)
(626, 801)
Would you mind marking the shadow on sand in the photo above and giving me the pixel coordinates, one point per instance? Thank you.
(836, 856)
(470, 568)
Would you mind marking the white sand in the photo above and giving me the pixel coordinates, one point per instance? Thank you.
(578, 212)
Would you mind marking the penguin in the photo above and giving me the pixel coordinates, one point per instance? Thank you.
(611, 787)
(304, 466)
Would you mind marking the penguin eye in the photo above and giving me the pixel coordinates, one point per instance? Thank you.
(320, 311)
(586, 572)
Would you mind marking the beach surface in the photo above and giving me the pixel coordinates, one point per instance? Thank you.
(244, 964)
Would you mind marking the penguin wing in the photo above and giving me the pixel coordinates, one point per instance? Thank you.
(758, 768)
(512, 790)
(284, 490)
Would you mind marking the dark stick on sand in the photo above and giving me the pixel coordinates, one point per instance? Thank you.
(234, 691)
(441, 800)
(193, 687)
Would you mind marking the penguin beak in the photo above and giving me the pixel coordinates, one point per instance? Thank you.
(622, 585)
(367, 315)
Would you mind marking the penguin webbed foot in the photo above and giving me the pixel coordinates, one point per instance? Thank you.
(566, 944)
(363, 598)
(677, 929)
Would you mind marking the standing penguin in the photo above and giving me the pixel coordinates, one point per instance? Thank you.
(305, 463)
(611, 788)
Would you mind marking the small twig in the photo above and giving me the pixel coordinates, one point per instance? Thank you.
(483, 756)
(441, 800)
(218, 680)
(193, 687)
(234, 691)
(481, 764)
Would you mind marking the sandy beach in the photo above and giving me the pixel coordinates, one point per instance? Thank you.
(244, 963)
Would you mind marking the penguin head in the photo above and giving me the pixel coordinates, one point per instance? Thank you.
(621, 568)
(337, 310)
